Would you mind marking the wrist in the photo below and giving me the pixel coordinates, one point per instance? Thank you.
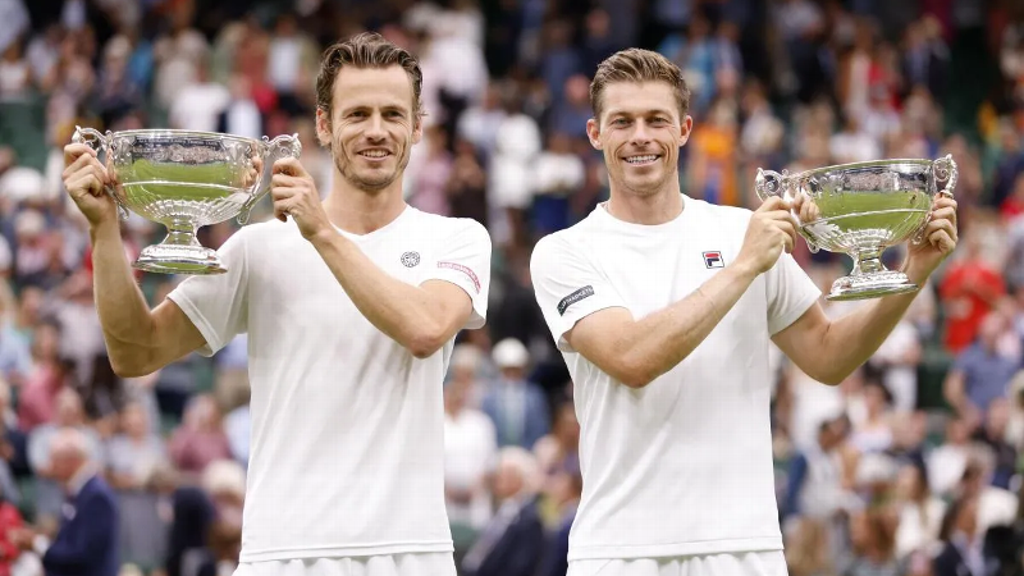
(742, 271)
(324, 237)
(105, 230)
(916, 274)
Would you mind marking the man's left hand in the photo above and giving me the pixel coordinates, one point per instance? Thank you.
(294, 194)
(938, 241)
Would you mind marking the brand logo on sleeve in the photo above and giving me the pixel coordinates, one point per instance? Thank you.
(585, 292)
(410, 259)
(464, 269)
(714, 259)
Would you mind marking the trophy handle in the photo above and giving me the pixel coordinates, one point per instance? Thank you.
(769, 183)
(272, 150)
(945, 169)
(101, 144)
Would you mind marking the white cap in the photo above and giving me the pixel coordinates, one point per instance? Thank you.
(510, 353)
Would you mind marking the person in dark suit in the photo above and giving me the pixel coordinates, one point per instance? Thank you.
(962, 552)
(87, 542)
(512, 544)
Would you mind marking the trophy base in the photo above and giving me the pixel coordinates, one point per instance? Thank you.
(870, 285)
(177, 259)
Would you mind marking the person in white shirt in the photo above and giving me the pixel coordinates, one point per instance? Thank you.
(351, 307)
(663, 307)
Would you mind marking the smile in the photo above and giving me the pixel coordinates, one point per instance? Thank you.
(642, 160)
(375, 154)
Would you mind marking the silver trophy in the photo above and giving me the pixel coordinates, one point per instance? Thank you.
(861, 209)
(185, 180)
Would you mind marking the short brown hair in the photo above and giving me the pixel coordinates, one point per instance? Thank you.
(638, 65)
(365, 50)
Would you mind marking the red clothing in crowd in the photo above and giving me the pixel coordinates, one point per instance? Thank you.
(968, 293)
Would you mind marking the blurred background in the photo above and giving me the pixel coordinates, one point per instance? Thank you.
(915, 456)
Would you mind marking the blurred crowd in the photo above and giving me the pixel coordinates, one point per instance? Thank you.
(913, 466)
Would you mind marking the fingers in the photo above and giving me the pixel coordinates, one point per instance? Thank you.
(942, 240)
(774, 203)
(73, 152)
(89, 180)
(290, 166)
(788, 230)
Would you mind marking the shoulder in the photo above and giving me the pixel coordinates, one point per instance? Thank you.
(99, 493)
(447, 226)
(566, 241)
(720, 214)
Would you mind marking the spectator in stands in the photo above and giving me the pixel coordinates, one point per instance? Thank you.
(517, 406)
(87, 542)
(512, 543)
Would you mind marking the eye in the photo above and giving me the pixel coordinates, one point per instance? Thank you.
(620, 122)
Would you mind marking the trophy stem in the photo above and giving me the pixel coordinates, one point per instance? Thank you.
(870, 279)
(179, 253)
(868, 262)
(181, 233)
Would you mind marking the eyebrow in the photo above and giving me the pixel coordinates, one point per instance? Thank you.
(387, 107)
(629, 113)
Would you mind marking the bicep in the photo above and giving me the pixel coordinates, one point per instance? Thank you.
(801, 341)
(451, 305)
(174, 334)
(596, 337)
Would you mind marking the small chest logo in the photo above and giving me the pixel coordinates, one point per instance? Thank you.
(714, 260)
(410, 259)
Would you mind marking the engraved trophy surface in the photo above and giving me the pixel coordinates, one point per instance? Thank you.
(185, 180)
(862, 208)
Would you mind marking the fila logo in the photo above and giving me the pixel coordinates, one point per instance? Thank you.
(713, 260)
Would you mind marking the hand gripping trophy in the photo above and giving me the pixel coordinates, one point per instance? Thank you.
(860, 209)
(185, 180)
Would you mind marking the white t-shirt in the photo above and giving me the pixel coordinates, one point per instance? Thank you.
(684, 465)
(347, 451)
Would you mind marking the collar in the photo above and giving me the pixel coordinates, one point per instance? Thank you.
(80, 478)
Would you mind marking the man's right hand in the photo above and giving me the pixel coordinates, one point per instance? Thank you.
(85, 179)
(771, 230)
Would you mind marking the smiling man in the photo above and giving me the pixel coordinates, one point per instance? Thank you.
(351, 307)
(663, 307)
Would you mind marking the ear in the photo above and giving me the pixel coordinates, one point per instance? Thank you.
(417, 128)
(323, 128)
(684, 130)
(594, 133)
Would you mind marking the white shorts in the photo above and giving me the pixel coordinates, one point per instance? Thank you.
(427, 563)
(768, 563)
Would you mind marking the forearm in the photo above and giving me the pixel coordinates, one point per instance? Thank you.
(658, 342)
(403, 312)
(123, 311)
(851, 340)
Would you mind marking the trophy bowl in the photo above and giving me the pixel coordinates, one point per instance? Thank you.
(185, 180)
(861, 209)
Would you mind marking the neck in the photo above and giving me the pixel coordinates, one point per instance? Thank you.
(658, 208)
(359, 212)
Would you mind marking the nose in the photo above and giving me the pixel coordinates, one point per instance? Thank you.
(375, 127)
(641, 132)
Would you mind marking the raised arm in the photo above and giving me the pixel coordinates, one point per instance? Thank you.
(635, 352)
(138, 341)
(420, 318)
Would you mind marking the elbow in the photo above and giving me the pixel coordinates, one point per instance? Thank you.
(129, 366)
(633, 374)
(830, 376)
(425, 343)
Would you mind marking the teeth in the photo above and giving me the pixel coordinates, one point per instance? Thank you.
(375, 153)
(641, 159)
